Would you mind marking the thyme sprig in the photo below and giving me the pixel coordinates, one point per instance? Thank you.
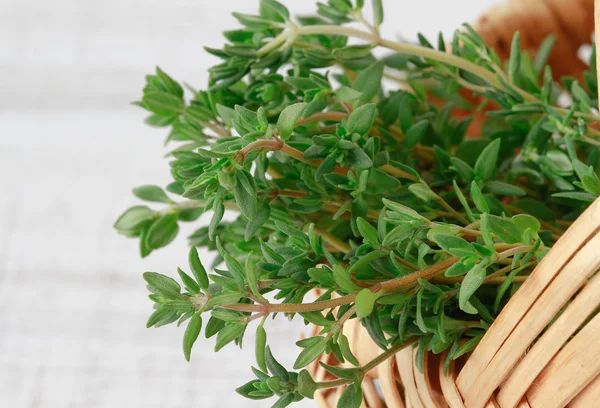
(371, 193)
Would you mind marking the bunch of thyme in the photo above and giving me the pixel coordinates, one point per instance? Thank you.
(370, 193)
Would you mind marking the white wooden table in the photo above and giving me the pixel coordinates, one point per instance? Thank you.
(73, 304)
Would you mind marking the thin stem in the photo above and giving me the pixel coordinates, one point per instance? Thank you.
(432, 54)
(293, 307)
(546, 225)
(388, 168)
(333, 384)
(385, 355)
(413, 49)
(369, 366)
(387, 286)
(323, 116)
(498, 280)
(451, 210)
(340, 323)
(261, 144)
(276, 42)
(502, 271)
(334, 241)
(513, 251)
(402, 281)
(215, 127)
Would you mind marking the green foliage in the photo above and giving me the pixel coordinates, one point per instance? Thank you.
(374, 195)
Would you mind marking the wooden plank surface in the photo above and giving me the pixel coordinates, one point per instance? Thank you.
(72, 301)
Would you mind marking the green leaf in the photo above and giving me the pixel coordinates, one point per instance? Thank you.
(223, 298)
(288, 118)
(422, 191)
(468, 346)
(228, 334)
(284, 401)
(526, 221)
(380, 182)
(366, 260)
(463, 169)
(197, 268)
(472, 281)
(253, 390)
(454, 245)
(463, 200)
(189, 283)
(313, 348)
(260, 345)
(486, 233)
(169, 83)
(163, 285)
(502, 188)
(144, 249)
(576, 195)
(377, 12)
(245, 194)
(443, 229)
(358, 159)
(252, 275)
(365, 301)
(246, 121)
(301, 84)
(351, 397)
(368, 232)
(262, 215)
(151, 193)
(218, 212)
(346, 350)
(580, 95)
(234, 267)
(478, 198)
(306, 385)
(274, 10)
(543, 52)
(162, 231)
(163, 104)
(505, 285)
(274, 367)
(326, 166)
(503, 229)
(341, 372)
(361, 119)
(191, 334)
(161, 317)
(458, 269)
(368, 80)
(514, 62)
(226, 113)
(134, 217)
(213, 326)
(343, 279)
(403, 210)
(415, 133)
(317, 318)
(558, 161)
(485, 166)
(347, 94)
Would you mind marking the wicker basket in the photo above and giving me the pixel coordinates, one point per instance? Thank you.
(522, 361)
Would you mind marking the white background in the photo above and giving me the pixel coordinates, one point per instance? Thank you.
(72, 301)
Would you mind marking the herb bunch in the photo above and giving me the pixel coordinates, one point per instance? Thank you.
(354, 175)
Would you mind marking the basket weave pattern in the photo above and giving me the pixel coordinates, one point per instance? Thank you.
(543, 350)
(528, 358)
